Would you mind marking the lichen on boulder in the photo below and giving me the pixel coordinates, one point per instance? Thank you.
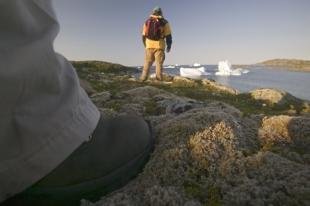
(208, 152)
(219, 87)
(274, 96)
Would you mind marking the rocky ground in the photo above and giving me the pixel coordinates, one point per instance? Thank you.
(214, 146)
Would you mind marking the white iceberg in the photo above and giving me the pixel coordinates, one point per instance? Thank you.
(169, 67)
(194, 73)
(236, 72)
(225, 69)
(196, 65)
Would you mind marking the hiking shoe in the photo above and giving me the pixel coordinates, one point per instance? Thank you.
(117, 151)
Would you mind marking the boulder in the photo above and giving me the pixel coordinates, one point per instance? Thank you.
(286, 134)
(183, 81)
(219, 87)
(101, 98)
(161, 100)
(166, 77)
(87, 87)
(212, 154)
(274, 96)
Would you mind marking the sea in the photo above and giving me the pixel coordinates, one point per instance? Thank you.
(296, 83)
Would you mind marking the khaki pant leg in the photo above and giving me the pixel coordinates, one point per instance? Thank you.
(44, 113)
(148, 61)
(159, 60)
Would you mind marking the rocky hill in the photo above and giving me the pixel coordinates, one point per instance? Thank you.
(88, 67)
(291, 64)
(214, 145)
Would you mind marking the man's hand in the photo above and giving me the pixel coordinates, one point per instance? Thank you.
(168, 49)
(143, 40)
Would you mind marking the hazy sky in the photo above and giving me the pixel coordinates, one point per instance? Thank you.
(204, 31)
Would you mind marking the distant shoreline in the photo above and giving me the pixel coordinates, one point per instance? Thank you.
(287, 64)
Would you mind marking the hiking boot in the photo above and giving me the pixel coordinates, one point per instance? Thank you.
(117, 151)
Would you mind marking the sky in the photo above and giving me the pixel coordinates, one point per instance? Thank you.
(203, 31)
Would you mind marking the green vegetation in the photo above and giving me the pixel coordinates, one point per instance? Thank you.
(85, 68)
(151, 108)
(291, 64)
(214, 196)
(114, 78)
(194, 190)
(114, 105)
(210, 196)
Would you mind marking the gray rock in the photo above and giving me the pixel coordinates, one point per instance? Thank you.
(274, 96)
(87, 87)
(101, 98)
(174, 104)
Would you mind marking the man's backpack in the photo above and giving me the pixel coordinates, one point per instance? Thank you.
(154, 28)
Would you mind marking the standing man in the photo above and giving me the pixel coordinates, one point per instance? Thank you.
(156, 35)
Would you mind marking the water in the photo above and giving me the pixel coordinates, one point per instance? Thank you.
(296, 83)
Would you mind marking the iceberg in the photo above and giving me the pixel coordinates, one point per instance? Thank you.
(196, 65)
(169, 67)
(225, 69)
(194, 73)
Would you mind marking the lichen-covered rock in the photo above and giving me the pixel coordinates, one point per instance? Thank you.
(118, 199)
(274, 96)
(158, 195)
(87, 87)
(166, 77)
(211, 154)
(267, 179)
(175, 104)
(132, 108)
(101, 98)
(143, 92)
(289, 136)
(219, 87)
(159, 101)
(183, 81)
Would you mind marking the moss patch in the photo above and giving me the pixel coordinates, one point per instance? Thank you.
(87, 67)
(151, 108)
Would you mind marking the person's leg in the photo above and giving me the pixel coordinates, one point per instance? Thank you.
(159, 60)
(45, 115)
(148, 61)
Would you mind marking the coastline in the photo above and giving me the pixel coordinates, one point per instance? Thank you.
(287, 64)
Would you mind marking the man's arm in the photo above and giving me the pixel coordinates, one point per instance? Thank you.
(143, 40)
(169, 42)
(168, 36)
(143, 35)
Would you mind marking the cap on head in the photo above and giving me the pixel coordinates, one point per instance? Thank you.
(157, 11)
